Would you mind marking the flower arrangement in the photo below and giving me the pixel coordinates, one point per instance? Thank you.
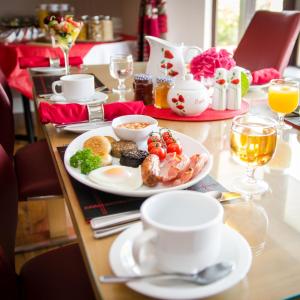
(204, 64)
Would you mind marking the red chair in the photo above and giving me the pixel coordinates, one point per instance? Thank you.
(33, 163)
(268, 41)
(56, 275)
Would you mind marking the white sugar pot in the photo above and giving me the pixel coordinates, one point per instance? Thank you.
(188, 97)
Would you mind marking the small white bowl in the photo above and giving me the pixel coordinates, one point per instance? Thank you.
(135, 135)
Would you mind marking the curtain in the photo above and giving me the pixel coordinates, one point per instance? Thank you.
(152, 21)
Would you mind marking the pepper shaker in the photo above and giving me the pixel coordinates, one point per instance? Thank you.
(234, 91)
(220, 85)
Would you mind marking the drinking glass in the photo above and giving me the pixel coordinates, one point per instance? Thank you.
(253, 142)
(283, 98)
(121, 67)
(64, 35)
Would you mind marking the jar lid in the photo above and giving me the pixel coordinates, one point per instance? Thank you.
(53, 7)
(164, 79)
(64, 6)
(43, 6)
(188, 83)
(107, 17)
(143, 77)
(84, 17)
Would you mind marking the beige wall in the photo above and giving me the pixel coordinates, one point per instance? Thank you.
(190, 22)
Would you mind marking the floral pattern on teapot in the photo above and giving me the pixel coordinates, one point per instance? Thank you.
(179, 103)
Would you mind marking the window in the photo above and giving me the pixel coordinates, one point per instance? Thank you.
(233, 16)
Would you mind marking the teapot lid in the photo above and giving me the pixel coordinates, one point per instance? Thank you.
(188, 83)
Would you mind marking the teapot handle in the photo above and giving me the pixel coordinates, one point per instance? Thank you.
(186, 56)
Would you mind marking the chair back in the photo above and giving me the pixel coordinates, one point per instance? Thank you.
(268, 41)
(8, 205)
(8, 225)
(7, 135)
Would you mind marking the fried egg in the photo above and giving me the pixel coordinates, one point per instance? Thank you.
(118, 177)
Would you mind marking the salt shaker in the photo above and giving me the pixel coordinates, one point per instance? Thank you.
(220, 85)
(234, 91)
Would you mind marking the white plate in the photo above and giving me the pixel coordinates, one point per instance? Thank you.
(234, 248)
(97, 97)
(190, 147)
(48, 70)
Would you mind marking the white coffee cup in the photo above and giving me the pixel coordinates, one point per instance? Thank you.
(183, 228)
(75, 87)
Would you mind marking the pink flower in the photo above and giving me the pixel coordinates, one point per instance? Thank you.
(205, 64)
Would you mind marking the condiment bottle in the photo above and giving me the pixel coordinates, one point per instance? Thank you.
(107, 29)
(64, 9)
(53, 9)
(83, 35)
(95, 28)
(42, 13)
(143, 88)
(163, 84)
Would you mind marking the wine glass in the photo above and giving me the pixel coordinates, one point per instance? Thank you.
(253, 142)
(121, 67)
(283, 98)
(64, 32)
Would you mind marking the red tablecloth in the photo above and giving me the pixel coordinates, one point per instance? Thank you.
(19, 79)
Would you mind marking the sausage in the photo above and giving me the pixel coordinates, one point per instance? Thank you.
(151, 170)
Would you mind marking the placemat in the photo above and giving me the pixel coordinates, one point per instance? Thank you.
(95, 203)
(208, 115)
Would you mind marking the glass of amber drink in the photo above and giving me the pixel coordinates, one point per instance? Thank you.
(252, 143)
(283, 99)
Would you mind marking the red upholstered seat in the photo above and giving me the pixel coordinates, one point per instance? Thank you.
(35, 171)
(55, 275)
(34, 166)
(59, 274)
(268, 41)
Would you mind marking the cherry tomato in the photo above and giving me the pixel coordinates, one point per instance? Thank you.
(166, 135)
(159, 151)
(153, 139)
(170, 140)
(154, 145)
(174, 147)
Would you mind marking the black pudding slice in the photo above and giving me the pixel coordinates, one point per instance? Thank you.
(133, 158)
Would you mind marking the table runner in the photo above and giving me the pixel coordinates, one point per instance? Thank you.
(95, 203)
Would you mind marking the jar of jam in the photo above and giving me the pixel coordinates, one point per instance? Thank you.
(83, 34)
(163, 84)
(143, 88)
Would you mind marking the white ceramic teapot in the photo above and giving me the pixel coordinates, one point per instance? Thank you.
(168, 59)
(188, 97)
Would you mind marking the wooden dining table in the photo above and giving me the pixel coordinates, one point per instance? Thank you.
(275, 271)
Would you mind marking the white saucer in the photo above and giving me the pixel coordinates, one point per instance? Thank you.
(97, 97)
(259, 87)
(48, 70)
(234, 248)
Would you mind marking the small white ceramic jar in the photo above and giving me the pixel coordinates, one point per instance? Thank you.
(188, 97)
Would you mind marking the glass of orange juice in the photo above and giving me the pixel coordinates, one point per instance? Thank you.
(252, 142)
(283, 99)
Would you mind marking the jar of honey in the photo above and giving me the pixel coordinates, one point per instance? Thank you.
(143, 88)
(163, 84)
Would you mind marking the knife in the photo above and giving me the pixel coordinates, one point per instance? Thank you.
(116, 219)
(100, 233)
